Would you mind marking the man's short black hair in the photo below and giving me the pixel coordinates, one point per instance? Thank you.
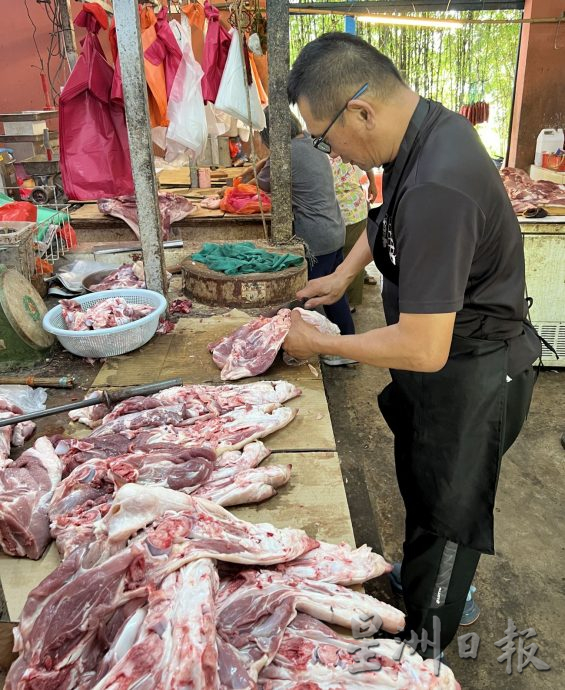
(329, 70)
(295, 127)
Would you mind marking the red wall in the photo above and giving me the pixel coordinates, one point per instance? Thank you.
(20, 83)
(540, 81)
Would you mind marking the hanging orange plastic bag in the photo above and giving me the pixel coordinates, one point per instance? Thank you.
(243, 200)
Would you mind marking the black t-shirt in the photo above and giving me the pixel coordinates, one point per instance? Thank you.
(456, 240)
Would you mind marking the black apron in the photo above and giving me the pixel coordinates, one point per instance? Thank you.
(448, 426)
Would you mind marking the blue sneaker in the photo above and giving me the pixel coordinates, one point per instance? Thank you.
(395, 579)
(471, 611)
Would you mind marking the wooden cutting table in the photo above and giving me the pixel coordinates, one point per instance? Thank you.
(314, 499)
(203, 224)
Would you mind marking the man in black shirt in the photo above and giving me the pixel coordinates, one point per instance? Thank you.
(458, 344)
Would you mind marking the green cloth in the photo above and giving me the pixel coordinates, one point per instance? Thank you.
(244, 257)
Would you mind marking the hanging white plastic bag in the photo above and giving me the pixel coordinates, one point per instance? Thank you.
(232, 98)
(187, 119)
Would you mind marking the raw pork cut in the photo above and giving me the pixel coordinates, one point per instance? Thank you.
(527, 194)
(26, 488)
(235, 461)
(229, 431)
(90, 416)
(57, 636)
(313, 657)
(175, 647)
(12, 435)
(196, 401)
(172, 207)
(251, 349)
(248, 486)
(114, 311)
(198, 525)
(337, 563)
(129, 276)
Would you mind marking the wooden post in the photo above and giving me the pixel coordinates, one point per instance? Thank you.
(68, 33)
(128, 34)
(279, 120)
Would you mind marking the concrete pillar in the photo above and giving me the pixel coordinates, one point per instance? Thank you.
(68, 32)
(128, 35)
(540, 88)
(279, 120)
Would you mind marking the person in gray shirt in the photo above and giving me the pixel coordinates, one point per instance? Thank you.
(317, 218)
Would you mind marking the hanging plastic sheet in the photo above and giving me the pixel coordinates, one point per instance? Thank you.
(216, 49)
(94, 152)
(187, 131)
(258, 83)
(231, 96)
(165, 50)
(197, 20)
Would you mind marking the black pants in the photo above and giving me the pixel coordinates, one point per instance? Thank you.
(338, 312)
(437, 572)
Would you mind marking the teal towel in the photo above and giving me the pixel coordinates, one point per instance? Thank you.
(243, 257)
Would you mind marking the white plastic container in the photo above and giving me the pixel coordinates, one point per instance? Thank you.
(549, 140)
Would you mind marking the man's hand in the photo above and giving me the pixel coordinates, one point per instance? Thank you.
(373, 191)
(325, 290)
(299, 343)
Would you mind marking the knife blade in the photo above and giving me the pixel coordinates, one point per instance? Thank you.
(293, 304)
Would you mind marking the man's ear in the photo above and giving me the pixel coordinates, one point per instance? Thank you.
(365, 111)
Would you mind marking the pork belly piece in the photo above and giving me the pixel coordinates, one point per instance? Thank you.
(337, 563)
(312, 656)
(248, 486)
(26, 488)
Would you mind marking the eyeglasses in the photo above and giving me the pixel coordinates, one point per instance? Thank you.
(319, 142)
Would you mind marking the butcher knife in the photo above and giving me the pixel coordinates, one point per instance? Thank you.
(108, 398)
(293, 304)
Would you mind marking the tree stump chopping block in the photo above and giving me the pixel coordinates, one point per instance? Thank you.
(249, 291)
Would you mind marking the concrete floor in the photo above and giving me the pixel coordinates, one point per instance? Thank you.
(525, 581)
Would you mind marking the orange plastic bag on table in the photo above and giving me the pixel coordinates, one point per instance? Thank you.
(242, 199)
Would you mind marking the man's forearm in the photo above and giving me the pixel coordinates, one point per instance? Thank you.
(389, 347)
(357, 258)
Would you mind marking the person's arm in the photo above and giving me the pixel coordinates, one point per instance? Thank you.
(373, 191)
(418, 342)
(248, 175)
(437, 231)
(330, 288)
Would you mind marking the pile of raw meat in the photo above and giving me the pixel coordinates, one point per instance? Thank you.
(127, 276)
(107, 313)
(527, 195)
(26, 487)
(251, 349)
(160, 587)
(172, 207)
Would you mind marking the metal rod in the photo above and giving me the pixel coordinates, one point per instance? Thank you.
(108, 398)
(39, 381)
(128, 35)
(171, 244)
(375, 9)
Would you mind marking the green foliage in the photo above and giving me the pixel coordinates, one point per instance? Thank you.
(453, 66)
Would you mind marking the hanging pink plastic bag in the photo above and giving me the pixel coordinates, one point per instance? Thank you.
(94, 152)
(216, 48)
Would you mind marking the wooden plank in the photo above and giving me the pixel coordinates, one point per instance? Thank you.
(20, 575)
(184, 353)
(314, 500)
